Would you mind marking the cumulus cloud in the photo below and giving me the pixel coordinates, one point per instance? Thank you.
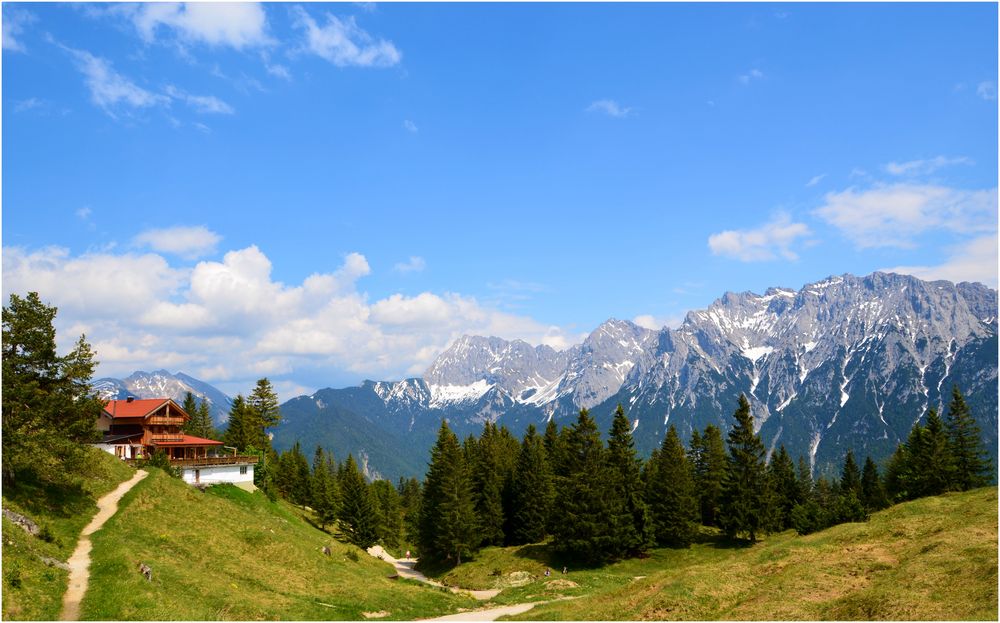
(414, 265)
(409, 126)
(610, 108)
(924, 167)
(655, 323)
(893, 215)
(234, 24)
(344, 43)
(974, 260)
(188, 242)
(767, 242)
(230, 321)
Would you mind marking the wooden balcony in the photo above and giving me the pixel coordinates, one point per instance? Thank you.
(165, 420)
(205, 461)
(165, 438)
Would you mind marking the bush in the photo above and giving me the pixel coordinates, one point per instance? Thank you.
(352, 555)
(13, 575)
(159, 459)
(46, 535)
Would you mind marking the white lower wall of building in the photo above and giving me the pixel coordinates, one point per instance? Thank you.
(218, 474)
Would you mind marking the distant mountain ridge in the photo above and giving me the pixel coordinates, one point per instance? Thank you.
(846, 362)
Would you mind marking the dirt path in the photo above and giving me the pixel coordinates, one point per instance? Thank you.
(490, 614)
(79, 562)
(405, 570)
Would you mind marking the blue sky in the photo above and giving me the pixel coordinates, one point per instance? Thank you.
(326, 193)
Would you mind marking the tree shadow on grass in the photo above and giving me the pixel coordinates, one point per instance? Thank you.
(60, 499)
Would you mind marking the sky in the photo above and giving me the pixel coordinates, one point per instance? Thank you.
(326, 193)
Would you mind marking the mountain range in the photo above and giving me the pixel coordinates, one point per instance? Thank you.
(844, 363)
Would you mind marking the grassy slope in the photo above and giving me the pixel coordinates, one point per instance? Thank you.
(65, 511)
(930, 559)
(229, 554)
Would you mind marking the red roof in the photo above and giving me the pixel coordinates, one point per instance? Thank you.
(188, 440)
(137, 407)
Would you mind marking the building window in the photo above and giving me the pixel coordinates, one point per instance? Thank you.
(243, 469)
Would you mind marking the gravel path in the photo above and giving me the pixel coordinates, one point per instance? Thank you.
(405, 570)
(79, 562)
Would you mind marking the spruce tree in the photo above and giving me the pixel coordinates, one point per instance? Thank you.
(709, 469)
(390, 516)
(746, 495)
(936, 465)
(489, 477)
(410, 496)
(804, 478)
(532, 492)
(447, 515)
(263, 411)
(190, 406)
(630, 515)
(902, 478)
(966, 445)
(850, 476)
(787, 491)
(239, 430)
(872, 491)
(673, 503)
(203, 422)
(358, 518)
(324, 490)
(582, 527)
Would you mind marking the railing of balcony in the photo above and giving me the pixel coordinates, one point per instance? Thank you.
(207, 460)
(169, 421)
(165, 438)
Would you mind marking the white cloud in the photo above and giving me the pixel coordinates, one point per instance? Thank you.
(414, 265)
(188, 242)
(973, 260)
(230, 321)
(924, 167)
(110, 90)
(987, 90)
(344, 43)
(208, 104)
(238, 25)
(816, 179)
(278, 71)
(610, 108)
(767, 242)
(891, 216)
(655, 323)
(410, 126)
(84, 213)
(753, 74)
(14, 21)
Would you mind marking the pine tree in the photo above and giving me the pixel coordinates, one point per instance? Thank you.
(709, 467)
(203, 422)
(902, 479)
(583, 526)
(239, 430)
(49, 406)
(872, 491)
(324, 493)
(804, 478)
(190, 406)
(358, 518)
(850, 476)
(389, 512)
(746, 496)
(630, 515)
(489, 477)
(966, 445)
(410, 497)
(447, 515)
(673, 503)
(263, 412)
(532, 492)
(787, 490)
(936, 466)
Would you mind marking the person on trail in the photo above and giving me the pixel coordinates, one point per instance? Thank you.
(407, 554)
(564, 570)
(548, 572)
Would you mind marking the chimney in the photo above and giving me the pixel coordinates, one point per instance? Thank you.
(130, 399)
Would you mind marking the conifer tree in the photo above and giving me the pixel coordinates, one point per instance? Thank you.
(850, 476)
(390, 516)
(49, 407)
(872, 491)
(633, 533)
(583, 524)
(935, 466)
(787, 490)
(966, 444)
(673, 503)
(409, 497)
(532, 493)
(239, 430)
(447, 515)
(709, 466)
(902, 478)
(746, 495)
(804, 478)
(324, 493)
(489, 476)
(263, 413)
(190, 406)
(358, 518)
